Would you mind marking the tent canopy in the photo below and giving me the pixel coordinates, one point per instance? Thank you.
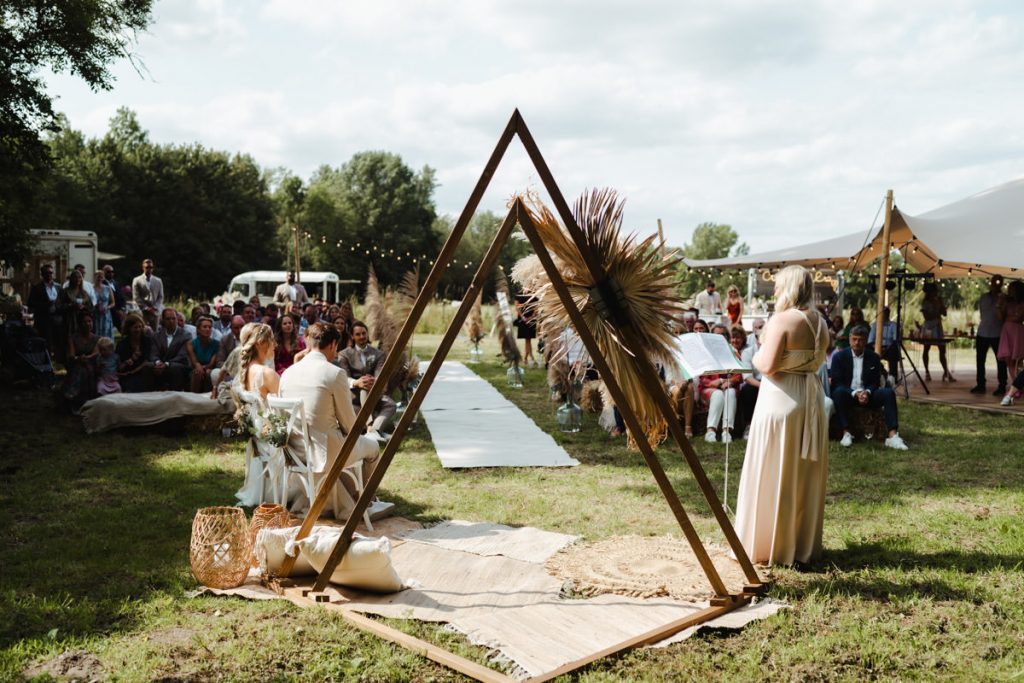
(978, 236)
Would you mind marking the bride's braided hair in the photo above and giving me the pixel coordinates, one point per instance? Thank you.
(253, 336)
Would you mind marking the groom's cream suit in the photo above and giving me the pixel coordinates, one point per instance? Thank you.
(327, 401)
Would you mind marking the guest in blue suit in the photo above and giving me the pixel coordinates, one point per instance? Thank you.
(856, 376)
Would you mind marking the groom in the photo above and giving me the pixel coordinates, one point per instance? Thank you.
(327, 401)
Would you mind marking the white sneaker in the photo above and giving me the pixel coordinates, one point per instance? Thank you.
(847, 440)
(380, 509)
(896, 442)
(1007, 400)
(709, 436)
(726, 436)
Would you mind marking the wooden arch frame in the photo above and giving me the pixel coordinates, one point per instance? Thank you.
(723, 601)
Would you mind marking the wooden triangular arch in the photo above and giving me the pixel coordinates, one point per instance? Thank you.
(518, 215)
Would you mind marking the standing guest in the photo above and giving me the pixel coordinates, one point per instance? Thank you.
(117, 311)
(1011, 339)
(148, 293)
(890, 341)
(856, 320)
(734, 305)
(708, 302)
(526, 326)
(990, 329)
(363, 363)
(136, 354)
(932, 310)
(103, 316)
(856, 377)
(291, 292)
(107, 381)
(747, 396)
(71, 301)
(222, 325)
(781, 501)
(42, 301)
(173, 352)
(80, 382)
(289, 342)
(204, 353)
(86, 283)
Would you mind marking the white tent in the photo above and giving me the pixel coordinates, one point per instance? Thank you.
(975, 237)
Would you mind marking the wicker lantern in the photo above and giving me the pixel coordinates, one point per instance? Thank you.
(221, 550)
(266, 516)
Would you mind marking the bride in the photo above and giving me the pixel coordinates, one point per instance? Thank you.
(781, 500)
(256, 381)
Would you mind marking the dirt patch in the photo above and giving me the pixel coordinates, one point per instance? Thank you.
(69, 666)
(171, 636)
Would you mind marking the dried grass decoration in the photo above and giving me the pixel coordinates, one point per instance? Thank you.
(266, 516)
(220, 551)
(643, 273)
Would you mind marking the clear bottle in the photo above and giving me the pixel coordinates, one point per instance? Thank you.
(515, 377)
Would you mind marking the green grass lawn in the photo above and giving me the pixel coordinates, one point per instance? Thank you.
(922, 578)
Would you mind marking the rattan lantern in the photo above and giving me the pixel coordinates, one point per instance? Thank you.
(221, 550)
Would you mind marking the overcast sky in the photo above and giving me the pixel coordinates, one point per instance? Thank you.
(787, 120)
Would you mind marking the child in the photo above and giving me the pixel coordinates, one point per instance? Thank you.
(106, 368)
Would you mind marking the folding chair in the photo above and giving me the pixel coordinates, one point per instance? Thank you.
(270, 457)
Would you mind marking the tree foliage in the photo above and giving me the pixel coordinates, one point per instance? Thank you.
(202, 215)
(710, 241)
(82, 37)
(470, 252)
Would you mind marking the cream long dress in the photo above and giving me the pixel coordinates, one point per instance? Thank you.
(781, 499)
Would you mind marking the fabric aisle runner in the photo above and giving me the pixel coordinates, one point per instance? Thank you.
(473, 425)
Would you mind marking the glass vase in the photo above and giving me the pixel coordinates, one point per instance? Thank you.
(570, 416)
(515, 377)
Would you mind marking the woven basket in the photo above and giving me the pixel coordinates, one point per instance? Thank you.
(266, 516)
(221, 550)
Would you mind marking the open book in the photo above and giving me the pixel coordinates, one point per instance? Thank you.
(706, 354)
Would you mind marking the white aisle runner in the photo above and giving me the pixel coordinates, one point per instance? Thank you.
(472, 425)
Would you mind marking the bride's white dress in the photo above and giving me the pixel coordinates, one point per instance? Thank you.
(256, 489)
(781, 501)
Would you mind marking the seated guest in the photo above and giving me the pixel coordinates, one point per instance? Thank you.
(310, 315)
(856, 319)
(751, 385)
(363, 361)
(719, 393)
(107, 381)
(222, 325)
(230, 366)
(289, 342)
(173, 353)
(754, 338)
(188, 327)
(229, 341)
(836, 326)
(1015, 391)
(723, 330)
(249, 313)
(204, 352)
(701, 327)
(80, 382)
(136, 354)
(346, 334)
(890, 345)
(856, 378)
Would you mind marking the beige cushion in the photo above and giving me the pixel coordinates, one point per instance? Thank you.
(273, 545)
(366, 565)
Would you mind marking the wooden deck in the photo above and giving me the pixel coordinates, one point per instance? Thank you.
(963, 366)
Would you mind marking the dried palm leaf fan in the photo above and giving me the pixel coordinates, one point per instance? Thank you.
(378, 321)
(475, 322)
(397, 306)
(591, 398)
(645, 278)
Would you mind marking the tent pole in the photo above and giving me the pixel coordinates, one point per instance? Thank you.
(883, 272)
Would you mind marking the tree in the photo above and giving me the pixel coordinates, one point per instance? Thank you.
(82, 37)
(202, 215)
(714, 240)
(378, 201)
(470, 252)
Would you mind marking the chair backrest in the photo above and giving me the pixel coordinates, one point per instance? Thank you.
(295, 410)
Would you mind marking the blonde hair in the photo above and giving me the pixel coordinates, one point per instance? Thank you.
(794, 288)
(252, 336)
(105, 344)
(733, 288)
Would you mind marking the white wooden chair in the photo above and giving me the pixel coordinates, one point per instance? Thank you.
(296, 462)
(269, 457)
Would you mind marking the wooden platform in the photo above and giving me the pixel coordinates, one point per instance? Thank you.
(963, 366)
